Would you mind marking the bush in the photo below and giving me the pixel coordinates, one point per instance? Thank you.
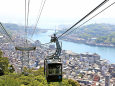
(73, 83)
(35, 78)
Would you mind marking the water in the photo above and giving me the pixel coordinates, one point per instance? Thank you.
(105, 52)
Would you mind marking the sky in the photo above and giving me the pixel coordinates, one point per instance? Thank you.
(55, 12)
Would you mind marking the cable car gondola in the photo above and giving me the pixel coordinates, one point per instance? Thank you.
(53, 70)
(53, 64)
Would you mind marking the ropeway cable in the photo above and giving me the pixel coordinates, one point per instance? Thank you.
(91, 18)
(3, 28)
(84, 17)
(39, 15)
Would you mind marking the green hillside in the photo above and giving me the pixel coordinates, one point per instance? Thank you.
(35, 78)
(29, 77)
(102, 33)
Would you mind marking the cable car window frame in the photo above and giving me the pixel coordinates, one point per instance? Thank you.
(54, 69)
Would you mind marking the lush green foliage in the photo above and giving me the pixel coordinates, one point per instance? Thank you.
(3, 64)
(34, 78)
(107, 39)
(104, 33)
(5, 68)
(72, 82)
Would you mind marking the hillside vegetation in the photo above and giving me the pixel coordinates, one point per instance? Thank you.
(95, 33)
(29, 77)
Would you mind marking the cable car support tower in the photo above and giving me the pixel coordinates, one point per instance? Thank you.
(25, 56)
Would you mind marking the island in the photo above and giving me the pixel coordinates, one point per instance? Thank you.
(92, 34)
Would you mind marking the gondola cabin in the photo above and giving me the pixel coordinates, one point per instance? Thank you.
(53, 70)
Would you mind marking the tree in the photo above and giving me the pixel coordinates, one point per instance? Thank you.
(11, 69)
(3, 64)
(113, 40)
(73, 83)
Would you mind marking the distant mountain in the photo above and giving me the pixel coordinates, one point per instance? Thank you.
(19, 28)
(11, 26)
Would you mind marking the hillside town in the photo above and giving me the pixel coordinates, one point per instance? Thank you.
(88, 69)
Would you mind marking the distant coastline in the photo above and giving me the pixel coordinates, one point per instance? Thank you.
(93, 34)
(87, 43)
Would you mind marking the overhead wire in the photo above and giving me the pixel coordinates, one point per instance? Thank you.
(27, 7)
(97, 7)
(28, 12)
(39, 15)
(91, 18)
(3, 28)
(27, 21)
(25, 26)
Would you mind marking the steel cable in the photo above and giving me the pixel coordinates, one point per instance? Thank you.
(84, 17)
(39, 15)
(91, 18)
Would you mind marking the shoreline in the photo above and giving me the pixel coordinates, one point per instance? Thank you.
(98, 45)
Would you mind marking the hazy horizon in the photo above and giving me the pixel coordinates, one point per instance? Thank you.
(52, 24)
(55, 12)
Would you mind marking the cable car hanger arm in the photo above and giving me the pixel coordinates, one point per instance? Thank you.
(58, 47)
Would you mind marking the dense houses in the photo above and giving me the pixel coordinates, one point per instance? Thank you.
(88, 69)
